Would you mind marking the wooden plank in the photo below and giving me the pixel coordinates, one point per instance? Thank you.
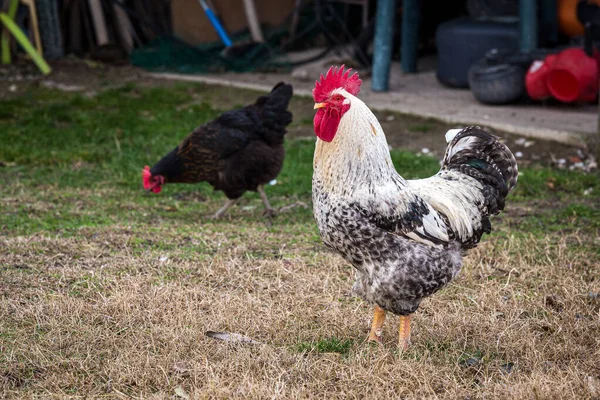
(124, 27)
(99, 22)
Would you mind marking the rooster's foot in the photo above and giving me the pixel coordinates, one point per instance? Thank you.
(222, 210)
(374, 339)
(377, 326)
(270, 213)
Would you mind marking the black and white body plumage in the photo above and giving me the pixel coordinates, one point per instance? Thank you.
(405, 238)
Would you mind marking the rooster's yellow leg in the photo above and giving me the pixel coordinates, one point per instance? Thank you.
(377, 325)
(404, 332)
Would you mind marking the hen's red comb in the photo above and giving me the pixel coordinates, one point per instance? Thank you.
(146, 176)
(336, 78)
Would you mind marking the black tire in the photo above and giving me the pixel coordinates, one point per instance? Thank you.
(495, 84)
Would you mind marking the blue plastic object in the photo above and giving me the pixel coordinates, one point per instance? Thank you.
(216, 23)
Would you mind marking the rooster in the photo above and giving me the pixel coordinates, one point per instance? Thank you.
(239, 151)
(405, 238)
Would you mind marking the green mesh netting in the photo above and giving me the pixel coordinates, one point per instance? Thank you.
(174, 55)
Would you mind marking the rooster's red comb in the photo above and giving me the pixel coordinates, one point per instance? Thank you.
(146, 175)
(336, 78)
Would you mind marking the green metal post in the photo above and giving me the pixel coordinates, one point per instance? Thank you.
(528, 25)
(382, 52)
(549, 21)
(410, 35)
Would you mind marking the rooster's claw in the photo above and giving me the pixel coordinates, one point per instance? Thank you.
(270, 213)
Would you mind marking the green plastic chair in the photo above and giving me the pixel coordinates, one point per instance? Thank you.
(7, 19)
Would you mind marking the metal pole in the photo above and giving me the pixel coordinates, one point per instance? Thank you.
(382, 52)
(549, 20)
(410, 35)
(528, 25)
(253, 21)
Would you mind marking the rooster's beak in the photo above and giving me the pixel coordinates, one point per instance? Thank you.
(320, 105)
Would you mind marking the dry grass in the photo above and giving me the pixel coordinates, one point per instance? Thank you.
(105, 315)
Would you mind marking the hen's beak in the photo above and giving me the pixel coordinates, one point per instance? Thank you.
(320, 105)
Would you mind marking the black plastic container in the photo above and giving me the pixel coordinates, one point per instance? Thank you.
(464, 41)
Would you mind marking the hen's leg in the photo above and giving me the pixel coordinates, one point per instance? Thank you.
(404, 332)
(269, 210)
(222, 210)
(377, 325)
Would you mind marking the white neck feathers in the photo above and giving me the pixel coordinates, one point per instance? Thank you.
(358, 155)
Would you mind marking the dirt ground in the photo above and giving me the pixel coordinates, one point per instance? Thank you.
(403, 131)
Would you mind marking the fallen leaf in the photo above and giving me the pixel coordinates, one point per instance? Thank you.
(182, 393)
(593, 385)
(231, 337)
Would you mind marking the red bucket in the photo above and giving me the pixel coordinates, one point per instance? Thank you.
(573, 76)
(537, 77)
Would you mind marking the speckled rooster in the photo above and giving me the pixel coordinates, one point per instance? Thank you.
(405, 238)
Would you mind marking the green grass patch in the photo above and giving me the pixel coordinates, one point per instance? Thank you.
(539, 183)
(423, 127)
(564, 219)
(327, 345)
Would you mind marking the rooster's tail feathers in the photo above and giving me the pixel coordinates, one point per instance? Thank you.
(479, 154)
(274, 113)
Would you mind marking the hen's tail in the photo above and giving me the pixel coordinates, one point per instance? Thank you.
(480, 155)
(272, 109)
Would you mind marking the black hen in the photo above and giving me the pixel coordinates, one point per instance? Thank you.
(241, 150)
